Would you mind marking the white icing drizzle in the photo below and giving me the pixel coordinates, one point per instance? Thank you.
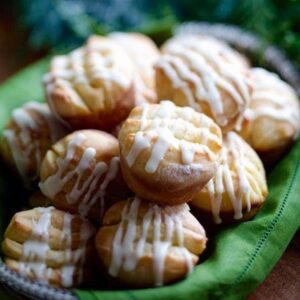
(67, 274)
(74, 259)
(144, 93)
(200, 62)
(158, 130)
(88, 200)
(273, 98)
(100, 61)
(24, 143)
(91, 190)
(159, 150)
(127, 249)
(35, 248)
(57, 131)
(187, 153)
(137, 49)
(54, 183)
(223, 182)
(67, 270)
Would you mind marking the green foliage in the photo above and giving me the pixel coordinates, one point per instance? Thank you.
(53, 22)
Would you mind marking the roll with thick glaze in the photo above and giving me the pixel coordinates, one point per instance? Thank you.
(143, 244)
(168, 153)
(50, 245)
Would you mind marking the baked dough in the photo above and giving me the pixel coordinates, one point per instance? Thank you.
(38, 199)
(50, 245)
(272, 120)
(143, 244)
(201, 73)
(30, 132)
(93, 86)
(168, 153)
(81, 173)
(144, 54)
(239, 187)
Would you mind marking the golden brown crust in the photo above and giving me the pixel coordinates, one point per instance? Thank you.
(174, 264)
(239, 187)
(272, 121)
(198, 72)
(81, 119)
(228, 53)
(211, 227)
(93, 86)
(144, 54)
(84, 184)
(169, 179)
(29, 133)
(50, 245)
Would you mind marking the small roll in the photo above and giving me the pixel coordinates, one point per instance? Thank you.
(81, 173)
(168, 153)
(93, 86)
(144, 245)
(30, 132)
(272, 121)
(203, 73)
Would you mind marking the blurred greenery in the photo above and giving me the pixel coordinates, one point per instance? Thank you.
(59, 22)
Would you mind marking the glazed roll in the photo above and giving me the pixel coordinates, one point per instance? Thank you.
(143, 244)
(93, 86)
(206, 75)
(81, 173)
(272, 120)
(168, 153)
(50, 245)
(238, 189)
(38, 199)
(30, 132)
(223, 49)
(144, 54)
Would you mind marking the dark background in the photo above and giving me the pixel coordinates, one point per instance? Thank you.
(31, 28)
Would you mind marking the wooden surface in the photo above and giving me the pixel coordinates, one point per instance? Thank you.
(283, 283)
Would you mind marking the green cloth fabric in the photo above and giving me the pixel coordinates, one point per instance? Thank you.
(240, 257)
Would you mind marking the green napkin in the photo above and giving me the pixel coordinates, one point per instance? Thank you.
(240, 257)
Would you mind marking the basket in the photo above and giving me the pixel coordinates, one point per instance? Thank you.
(273, 58)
